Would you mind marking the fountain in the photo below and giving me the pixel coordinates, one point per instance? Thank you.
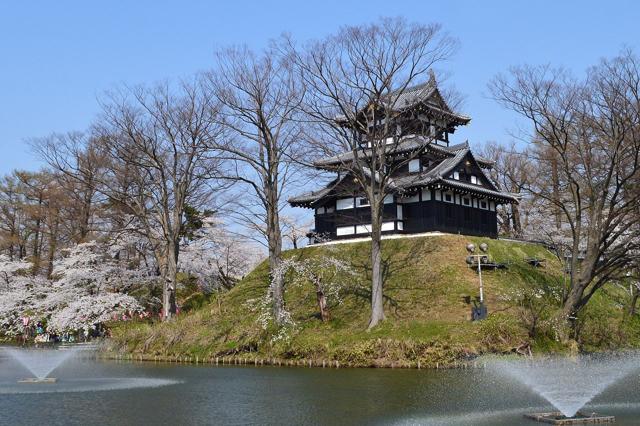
(568, 383)
(41, 362)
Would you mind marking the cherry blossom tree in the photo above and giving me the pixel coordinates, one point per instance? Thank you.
(326, 275)
(82, 293)
(216, 257)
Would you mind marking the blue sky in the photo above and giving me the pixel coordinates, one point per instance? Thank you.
(56, 58)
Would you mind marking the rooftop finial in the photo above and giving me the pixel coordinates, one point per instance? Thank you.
(432, 76)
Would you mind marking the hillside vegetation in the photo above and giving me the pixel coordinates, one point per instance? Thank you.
(427, 288)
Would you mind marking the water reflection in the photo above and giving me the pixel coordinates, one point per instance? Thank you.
(271, 395)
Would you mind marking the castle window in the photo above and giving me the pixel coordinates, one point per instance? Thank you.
(466, 201)
(483, 204)
(363, 229)
(344, 203)
(447, 197)
(362, 202)
(456, 175)
(344, 230)
(387, 226)
(412, 199)
(320, 210)
(475, 180)
(414, 165)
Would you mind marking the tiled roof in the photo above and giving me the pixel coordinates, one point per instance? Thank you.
(483, 162)
(309, 197)
(476, 188)
(412, 95)
(441, 172)
(438, 174)
(429, 94)
(410, 143)
(426, 93)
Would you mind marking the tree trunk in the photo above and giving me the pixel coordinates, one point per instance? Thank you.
(572, 304)
(274, 242)
(53, 244)
(377, 301)
(277, 280)
(322, 305)
(36, 249)
(634, 301)
(516, 221)
(170, 282)
(555, 182)
(85, 216)
(320, 297)
(12, 238)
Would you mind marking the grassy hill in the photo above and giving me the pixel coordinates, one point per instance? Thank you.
(427, 286)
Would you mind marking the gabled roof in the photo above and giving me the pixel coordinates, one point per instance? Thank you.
(442, 169)
(441, 172)
(493, 193)
(409, 144)
(483, 162)
(309, 197)
(434, 176)
(426, 93)
(313, 196)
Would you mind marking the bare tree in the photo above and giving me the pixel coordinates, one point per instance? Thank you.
(12, 217)
(259, 98)
(154, 145)
(34, 187)
(587, 134)
(355, 81)
(88, 163)
(511, 172)
(295, 229)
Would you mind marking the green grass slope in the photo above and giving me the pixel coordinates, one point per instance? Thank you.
(427, 285)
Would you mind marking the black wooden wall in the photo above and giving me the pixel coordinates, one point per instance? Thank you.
(432, 215)
(423, 216)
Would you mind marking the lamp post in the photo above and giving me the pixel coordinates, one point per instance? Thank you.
(478, 312)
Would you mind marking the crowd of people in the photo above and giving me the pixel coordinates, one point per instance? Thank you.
(36, 330)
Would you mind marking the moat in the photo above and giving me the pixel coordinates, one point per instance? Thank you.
(91, 391)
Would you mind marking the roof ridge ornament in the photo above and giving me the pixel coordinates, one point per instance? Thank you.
(432, 76)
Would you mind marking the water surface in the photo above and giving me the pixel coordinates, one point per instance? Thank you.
(124, 393)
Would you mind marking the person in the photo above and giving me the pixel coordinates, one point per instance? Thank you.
(25, 329)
